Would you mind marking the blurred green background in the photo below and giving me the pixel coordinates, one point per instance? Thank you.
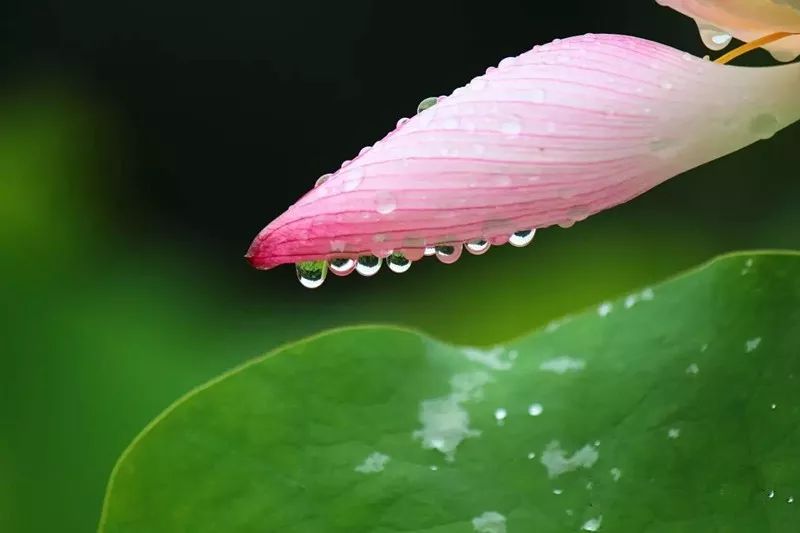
(142, 146)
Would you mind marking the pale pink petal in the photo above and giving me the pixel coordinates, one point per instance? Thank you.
(747, 20)
(550, 137)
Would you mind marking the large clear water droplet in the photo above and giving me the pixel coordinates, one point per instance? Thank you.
(713, 37)
(398, 263)
(448, 254)
(764, 125)
(477, 247)
(322, 179)
(311, 274)
(521, 238)
(429, 251)
(368, 265)
(427, 103)
(342, 266)
(385, 202)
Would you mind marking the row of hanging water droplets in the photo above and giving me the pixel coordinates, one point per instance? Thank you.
(312, 274)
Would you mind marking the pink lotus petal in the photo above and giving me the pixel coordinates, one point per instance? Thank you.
(550, 137)
(747, 20)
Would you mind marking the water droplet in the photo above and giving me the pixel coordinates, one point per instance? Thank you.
(771, 494)
(713, 37)
(364, 150)
(434, 468)
(311, 274)
(535, 409)
(478, 84)
(477, 247)
(368, 265)
(351, 180)
(427, 103)
(558, 492)
(531, 455)
(322, 179)
(521, 238)
(773, 406)
(429, 251)
(385, 202)
(398, 263)
(593, 524)
(674, 433)
(511, 127)
(507, 62)
(790, 499)
(342, 266)
(764, 125)
(500, 414)
(448, 254)
(402, 121)
(346, 162)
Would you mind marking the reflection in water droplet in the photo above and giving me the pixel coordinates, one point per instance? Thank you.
(427, 103)
(368, 265)
(521, 238)
(713, 37)
(311, 274)
(477, 247)
(448, 254)
(342, 266)
(398, 263)
(385, 202)
(322, 179)
(535, 409)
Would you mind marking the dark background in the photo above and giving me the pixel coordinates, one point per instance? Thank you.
(143, 144)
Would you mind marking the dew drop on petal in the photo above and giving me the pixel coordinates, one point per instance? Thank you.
(385, 202)
(427, 103)
(448, 254)
(511, 127)
(311, 274)
(398, 263)
(521, 238)
(351, 180)
(368, 265)
(342, 266)
(322, 179)
(402, 121)
(713, 37)
(764, 125)
(429, 251)
(477, 247)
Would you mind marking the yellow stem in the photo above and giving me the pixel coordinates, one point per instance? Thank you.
(752, 45)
